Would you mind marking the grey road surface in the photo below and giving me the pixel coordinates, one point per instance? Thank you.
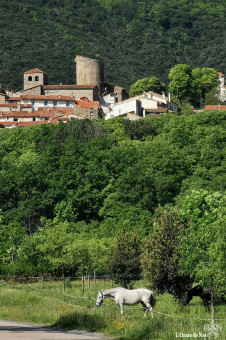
(11, 330)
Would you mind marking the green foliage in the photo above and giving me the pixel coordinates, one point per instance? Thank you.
(145, 85)
(91, 180)
(160, 261)
(206, 234)
(125, 262)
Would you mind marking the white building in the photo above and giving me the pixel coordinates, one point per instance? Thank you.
(142, 105)
(39, 101)
(222, 88)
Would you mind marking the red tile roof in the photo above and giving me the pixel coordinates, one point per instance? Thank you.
(43, 97)
(14, 98)
(8, 105)
(24, 114)
(215, 107)
(34, 70)
(87, 104)
(30, 123)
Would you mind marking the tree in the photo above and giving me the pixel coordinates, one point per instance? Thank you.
(145, 85)
(180, 81)
(206, 234)
(160, 261)
(203, 81)
(203, 244)
(125, 263)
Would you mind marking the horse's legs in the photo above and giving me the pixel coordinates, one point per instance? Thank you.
(121, 308)
(147, 306)
(144, 308)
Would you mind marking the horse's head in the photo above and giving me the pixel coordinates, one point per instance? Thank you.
(100, 298)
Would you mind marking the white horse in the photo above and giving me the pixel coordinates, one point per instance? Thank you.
(131, 297)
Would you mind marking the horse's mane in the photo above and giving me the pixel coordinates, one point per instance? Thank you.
(112, 290)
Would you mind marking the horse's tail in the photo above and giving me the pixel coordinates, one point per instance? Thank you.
(152, 299)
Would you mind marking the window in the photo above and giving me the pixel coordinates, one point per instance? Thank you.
(54, 103)
(45, 102)
(12, 101)
(33, 102)
(36, 78)
(30, 78)
(67, 103)
(91, 113)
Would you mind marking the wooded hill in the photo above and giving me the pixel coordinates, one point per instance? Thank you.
(135, 39)
(72, 188)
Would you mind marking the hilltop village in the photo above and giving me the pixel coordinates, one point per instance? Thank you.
(90, 98)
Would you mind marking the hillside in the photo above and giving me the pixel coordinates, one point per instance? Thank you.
(133, 38)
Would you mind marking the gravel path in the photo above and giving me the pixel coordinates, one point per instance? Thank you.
(11, 330)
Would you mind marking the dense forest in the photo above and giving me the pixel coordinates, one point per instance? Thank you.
(135, 39)
(68, 191)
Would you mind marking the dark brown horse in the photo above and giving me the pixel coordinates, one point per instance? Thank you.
(203, 293)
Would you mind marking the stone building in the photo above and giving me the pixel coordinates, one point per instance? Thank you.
(35, 77)
(89, 71)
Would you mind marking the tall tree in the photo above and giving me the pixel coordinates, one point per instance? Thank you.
(206, 234)
(160, 261)
(180, 81)
(125, 263)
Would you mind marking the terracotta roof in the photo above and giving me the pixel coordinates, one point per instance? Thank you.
(30, 123)
(24, 114)
(14, 98)
(215, 107)
(8, 105)
(34, 70)
(62, 87)
(43, 97)
(221, 74)
(87, 104)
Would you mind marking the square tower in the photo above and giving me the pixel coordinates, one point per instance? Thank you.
(35, 77)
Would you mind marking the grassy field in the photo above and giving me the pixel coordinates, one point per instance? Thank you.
(74, 310)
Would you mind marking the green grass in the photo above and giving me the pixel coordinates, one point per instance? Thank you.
(49, 306)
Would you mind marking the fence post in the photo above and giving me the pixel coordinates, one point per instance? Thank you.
(94, 274)
(42, 281)
(88, 279)
(83, 284)
(63, 278)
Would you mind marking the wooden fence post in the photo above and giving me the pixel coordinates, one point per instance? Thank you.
(83, 284)
(88, 279)
(94, 274)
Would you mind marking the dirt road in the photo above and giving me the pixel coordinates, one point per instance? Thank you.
(10, 330)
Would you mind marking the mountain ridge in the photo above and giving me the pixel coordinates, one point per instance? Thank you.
(134, 39)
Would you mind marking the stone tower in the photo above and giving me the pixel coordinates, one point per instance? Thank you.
(89, 72)
(35, 77)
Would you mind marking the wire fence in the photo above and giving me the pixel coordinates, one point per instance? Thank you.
(89, 297)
